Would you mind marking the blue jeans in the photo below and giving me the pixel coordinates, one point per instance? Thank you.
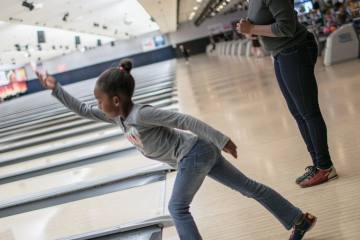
(205, 159)
(294, 69)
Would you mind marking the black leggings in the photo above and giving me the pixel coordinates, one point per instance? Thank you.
(294, 69)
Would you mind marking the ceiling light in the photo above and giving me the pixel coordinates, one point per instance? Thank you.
(28, 5)
(15, 19)
(18, 48)
(192, 15)
(211, 9)
(199, 1)
(127, 20)
(196, 8)
(65, 17)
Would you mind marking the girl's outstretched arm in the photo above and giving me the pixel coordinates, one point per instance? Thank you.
(81, 108)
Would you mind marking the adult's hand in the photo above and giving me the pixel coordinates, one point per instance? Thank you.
(244, 26)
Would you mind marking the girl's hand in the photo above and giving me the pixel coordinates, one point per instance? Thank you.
(244, 26)
(46, 80)
(230, 148)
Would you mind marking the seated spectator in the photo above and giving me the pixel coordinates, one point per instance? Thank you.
(342, 16)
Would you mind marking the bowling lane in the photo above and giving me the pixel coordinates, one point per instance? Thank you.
(20, 136)
(124, 162)
(86, 215)
(64, 113)
(59, 134)
(60, 143)
(36, 124)
(66, 156)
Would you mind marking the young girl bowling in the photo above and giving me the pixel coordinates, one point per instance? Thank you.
(154, 132)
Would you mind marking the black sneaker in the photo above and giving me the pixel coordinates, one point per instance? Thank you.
(310, 170)
(306, 225)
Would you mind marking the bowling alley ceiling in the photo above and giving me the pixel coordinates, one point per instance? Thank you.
(199, 10)
(92, 21)
(190, 8)
(164, 12)
(113, 18)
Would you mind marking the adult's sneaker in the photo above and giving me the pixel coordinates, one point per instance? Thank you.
(308, 171)
(318, 177)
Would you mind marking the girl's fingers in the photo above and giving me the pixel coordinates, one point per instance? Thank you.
(231, 148)
(232, 152)
(40, 76)
(43, 84)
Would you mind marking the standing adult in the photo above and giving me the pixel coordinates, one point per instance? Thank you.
(295, 53)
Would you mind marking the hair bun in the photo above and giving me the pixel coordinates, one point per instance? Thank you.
(126, 64)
